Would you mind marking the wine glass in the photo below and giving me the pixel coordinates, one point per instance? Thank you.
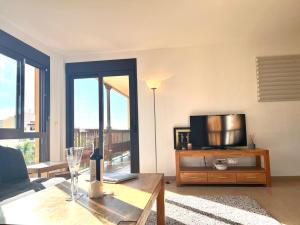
(73, 156)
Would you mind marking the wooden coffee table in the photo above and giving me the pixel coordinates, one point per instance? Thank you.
(131, 203)
(46, 167)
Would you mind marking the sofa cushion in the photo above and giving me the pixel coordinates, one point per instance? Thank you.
(12, 166)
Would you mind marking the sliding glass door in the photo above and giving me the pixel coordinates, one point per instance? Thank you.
(101, 111)
(86, 116)
(116, 129)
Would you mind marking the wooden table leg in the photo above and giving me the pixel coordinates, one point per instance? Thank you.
(160, 204)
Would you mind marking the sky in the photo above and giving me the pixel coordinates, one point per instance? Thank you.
(86, 106)
(8, 87)
(8, 80)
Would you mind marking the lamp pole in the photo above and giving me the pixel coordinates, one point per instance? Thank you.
(154, 115)
(154, 85)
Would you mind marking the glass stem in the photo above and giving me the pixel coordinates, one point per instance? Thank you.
(72, 186)
(76, 183)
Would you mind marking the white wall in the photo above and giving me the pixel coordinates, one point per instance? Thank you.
(211, 79)
(205, 79)
(56, 87)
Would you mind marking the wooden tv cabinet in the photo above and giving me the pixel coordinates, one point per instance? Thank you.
(233, 175)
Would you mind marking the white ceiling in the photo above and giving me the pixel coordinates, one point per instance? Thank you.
(80, 26)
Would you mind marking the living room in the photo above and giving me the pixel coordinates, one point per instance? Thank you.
(203, 58)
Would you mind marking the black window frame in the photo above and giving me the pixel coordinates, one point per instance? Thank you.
(100, 69)
(25, 54)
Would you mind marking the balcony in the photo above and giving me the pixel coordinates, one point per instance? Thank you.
(116, 148)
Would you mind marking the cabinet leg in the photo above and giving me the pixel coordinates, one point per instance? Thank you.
(258, 161)
(267, 169)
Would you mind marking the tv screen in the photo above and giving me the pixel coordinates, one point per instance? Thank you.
(219, 131)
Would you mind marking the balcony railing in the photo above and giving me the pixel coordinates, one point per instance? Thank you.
(116, 143)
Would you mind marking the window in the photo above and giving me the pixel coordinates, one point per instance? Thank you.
(119, 110)
(29, 148)
(31, 98)
(24, 99)
(102, 107)
(8, 91)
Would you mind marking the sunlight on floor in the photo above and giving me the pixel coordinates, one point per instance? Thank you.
(118, 165)
(191, 210)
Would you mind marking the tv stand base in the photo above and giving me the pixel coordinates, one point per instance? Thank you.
(233, 175)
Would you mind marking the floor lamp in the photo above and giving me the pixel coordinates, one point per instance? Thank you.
(154, 85)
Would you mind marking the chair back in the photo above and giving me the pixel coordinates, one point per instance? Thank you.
(12, 165)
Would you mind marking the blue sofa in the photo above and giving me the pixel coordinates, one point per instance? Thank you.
(14, 179)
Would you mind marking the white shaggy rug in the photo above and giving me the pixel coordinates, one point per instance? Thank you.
(212, 210)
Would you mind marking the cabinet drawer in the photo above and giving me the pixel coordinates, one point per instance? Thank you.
(225, 178)
(251, 178)
(193, 177)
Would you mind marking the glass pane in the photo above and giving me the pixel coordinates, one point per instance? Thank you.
(8, 92)
(86, 116)
(117, 124)
(29, 147)
(119, 109)
(31, 99)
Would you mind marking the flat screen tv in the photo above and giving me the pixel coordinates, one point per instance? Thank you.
(218, 131)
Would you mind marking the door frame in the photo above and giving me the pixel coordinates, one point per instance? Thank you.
(100, 69)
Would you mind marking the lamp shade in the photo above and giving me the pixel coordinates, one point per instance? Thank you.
(153, 84)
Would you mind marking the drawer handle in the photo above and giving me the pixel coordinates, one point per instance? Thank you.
(251, 177)
(222, 177)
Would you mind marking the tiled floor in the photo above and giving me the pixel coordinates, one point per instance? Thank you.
(282, 200)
